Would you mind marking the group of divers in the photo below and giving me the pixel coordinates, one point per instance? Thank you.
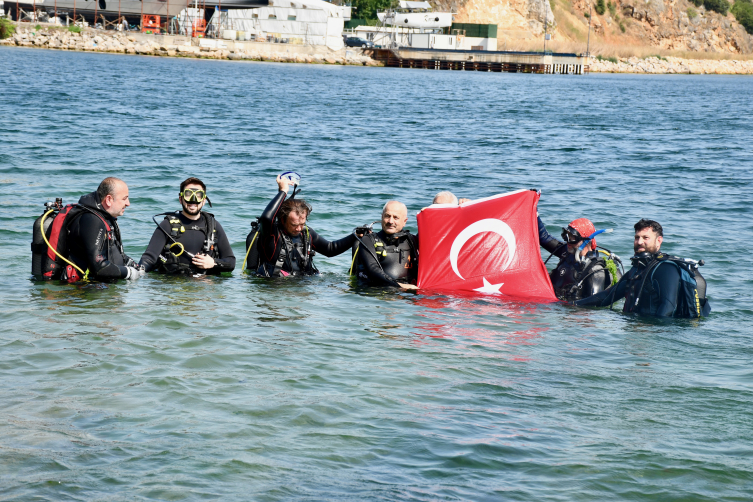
(82, 241)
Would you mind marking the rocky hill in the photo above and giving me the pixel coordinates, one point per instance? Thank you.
(661, 25)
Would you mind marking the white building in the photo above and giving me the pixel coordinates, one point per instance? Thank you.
(311, 22)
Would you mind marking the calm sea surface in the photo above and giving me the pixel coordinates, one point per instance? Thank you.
(236, 388)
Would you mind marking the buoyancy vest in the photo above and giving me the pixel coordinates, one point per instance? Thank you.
(691, 295)
(295, 257)
(397, 256)
(573, 281)
(170, 260)
(50, 260)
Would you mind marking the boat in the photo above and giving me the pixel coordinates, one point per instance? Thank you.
(417, 15)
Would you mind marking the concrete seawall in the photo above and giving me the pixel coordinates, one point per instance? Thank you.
(179, 46)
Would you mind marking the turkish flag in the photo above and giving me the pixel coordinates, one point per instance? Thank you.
(490, 246)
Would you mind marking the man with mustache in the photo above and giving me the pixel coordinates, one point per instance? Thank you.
(657, 285)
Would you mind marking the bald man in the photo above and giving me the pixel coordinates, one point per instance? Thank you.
(94, 236)
(390, 256)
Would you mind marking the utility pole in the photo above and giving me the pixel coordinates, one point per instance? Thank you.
(588, 42)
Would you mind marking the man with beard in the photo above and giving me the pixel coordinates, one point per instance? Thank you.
(190, 241)
(658, 284)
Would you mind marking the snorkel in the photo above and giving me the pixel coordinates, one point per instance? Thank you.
(294, 179)
(587, 240)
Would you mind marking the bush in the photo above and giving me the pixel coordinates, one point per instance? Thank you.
(692, 13)
(697, 3)
(7, 28)
(622, 27)
(612, 8)
(610, 59)
(601, 7)
(743, 12)
(720, 6)
(74, 29)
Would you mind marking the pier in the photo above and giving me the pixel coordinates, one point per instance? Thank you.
(496, 61)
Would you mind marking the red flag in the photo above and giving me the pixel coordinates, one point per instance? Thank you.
(490, 246)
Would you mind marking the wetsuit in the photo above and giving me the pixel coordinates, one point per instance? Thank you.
(93, 247)
(592, 271)
(547, 240)
(658, 298)
(282, 255)
(194, 237)
(397, 256)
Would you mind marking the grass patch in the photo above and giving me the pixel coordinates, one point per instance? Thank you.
(610, 59)
(7, 28)
(692, 13)
(657, 56)
(622, 27)
(74, 29)
(612, 8)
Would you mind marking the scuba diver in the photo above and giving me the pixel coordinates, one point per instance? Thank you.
(658, 284)
(286, 245)
(190, 241)
(582, 270)
(94, 242)
(390, 256)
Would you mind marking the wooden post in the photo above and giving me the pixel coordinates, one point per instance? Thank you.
(141, 19)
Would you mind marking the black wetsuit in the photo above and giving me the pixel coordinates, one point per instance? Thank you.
(569, 273)
(281, 254)
(91, 246)
(659, 297)
(547, 240)
(193, 239)
(397, 258)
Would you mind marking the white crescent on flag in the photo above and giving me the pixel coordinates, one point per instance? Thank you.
(488, 225)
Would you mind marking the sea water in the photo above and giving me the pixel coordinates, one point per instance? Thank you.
(241, 389)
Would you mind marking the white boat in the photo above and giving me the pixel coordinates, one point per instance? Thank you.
(415, 15)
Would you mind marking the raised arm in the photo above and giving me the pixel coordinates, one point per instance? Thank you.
(331, 248)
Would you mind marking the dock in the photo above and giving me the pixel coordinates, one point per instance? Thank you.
(495, 61)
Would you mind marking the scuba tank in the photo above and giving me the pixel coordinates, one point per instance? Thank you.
(40, 263)
(251, 262)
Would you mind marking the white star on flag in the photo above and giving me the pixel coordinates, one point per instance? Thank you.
(490, 289)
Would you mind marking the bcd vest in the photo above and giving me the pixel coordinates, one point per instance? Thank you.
(572, 281)
(397, 258)
(169, 260)
(691, 295)
(295, 257)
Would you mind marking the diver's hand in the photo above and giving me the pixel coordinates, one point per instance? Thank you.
(283, 183)
(203, 261)
(409, 287)
(463, 201)
(135, 273)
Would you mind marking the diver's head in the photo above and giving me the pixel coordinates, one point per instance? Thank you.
(445, 198)
(394, 217)
(648, 237)
(576, 232)
(292, 216)
(113, 195)
(192, 196)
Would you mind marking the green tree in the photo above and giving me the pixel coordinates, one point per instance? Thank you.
(743, 11)
(601, 7)
(720, 6)
(367, 9)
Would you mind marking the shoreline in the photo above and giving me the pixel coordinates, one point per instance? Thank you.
(134, 43)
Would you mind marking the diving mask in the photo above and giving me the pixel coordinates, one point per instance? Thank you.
(193, 195)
